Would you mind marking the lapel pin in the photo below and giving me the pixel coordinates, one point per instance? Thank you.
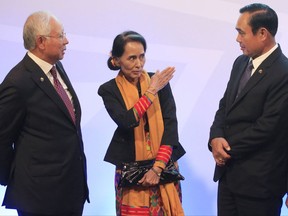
(41, 79)
(260, 71)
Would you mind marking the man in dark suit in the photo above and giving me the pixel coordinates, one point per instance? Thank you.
(42, 161)
(249, 135)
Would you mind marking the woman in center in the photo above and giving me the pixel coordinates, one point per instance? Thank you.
(143, 107)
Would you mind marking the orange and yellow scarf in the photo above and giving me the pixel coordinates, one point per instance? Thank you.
(135, 197)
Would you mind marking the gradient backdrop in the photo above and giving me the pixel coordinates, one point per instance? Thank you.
(197, 37)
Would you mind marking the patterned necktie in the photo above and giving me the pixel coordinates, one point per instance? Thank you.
(62, 93)
(245, 77)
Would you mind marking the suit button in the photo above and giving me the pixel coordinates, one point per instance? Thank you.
(80, 158)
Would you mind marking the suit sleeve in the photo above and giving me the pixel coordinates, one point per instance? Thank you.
(216, 129)
(11, 115)
(218, 125)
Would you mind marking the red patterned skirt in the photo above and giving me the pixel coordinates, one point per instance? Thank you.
(154, 208)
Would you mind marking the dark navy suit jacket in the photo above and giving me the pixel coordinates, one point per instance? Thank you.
(42, 160)
(255, 124)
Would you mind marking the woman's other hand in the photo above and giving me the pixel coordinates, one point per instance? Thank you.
(151, 178)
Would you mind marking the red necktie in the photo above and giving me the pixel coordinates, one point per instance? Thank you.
(62, 93)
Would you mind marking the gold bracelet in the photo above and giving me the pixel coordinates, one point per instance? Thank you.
(157, 173)
(151, 92)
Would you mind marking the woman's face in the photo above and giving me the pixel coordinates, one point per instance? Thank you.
(132, 61)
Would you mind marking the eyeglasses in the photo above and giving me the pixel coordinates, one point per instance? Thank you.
(60, 36)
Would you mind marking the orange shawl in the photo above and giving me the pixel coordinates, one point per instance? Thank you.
(136, 197)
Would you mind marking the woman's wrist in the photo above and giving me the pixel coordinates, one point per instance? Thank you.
(152, 91)
(157, 171)
(150, 95)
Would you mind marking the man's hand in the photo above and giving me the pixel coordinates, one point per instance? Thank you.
(219, 150)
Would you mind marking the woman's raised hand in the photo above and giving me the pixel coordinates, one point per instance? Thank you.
(160, 79)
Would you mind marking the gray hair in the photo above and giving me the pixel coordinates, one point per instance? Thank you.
(38, 23)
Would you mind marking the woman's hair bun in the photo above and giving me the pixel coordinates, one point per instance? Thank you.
(111, 64)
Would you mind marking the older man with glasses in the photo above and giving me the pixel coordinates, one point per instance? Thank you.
(42, 161)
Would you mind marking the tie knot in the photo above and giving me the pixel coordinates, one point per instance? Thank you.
(250, 65)
(53, 72)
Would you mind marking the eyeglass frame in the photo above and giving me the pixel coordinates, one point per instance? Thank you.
(60, 36)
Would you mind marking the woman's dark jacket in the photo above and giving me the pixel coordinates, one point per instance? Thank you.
(122, 145)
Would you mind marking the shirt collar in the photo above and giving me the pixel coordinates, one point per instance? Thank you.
(256, 62)
(45, 66)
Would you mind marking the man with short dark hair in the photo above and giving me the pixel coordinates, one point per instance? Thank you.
(249, 136)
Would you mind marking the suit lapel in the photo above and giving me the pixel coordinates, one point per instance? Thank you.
(42, 81)
(234, 86)
(255, 78)
(76, 103)
(258, 75)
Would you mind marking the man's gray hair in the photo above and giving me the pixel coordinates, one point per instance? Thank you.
(38, 23)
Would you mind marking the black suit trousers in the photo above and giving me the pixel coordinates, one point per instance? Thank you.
(78, 213)
(231, 204)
